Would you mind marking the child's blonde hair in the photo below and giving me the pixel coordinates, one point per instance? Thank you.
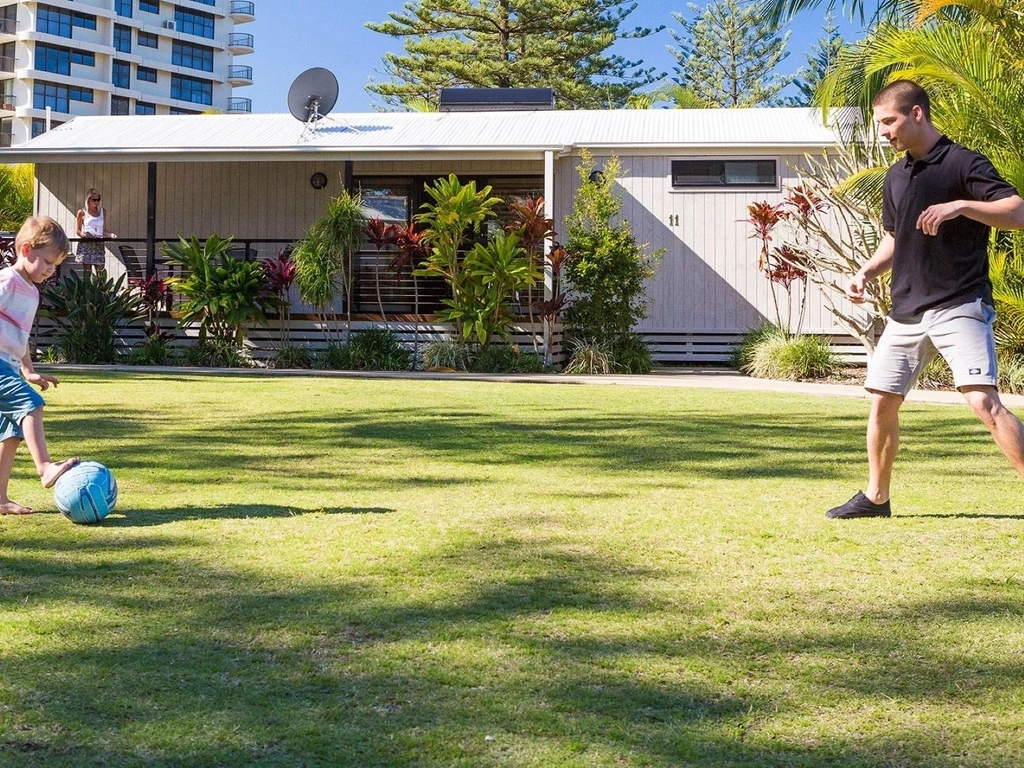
(45, 234)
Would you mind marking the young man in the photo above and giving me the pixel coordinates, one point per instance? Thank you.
(939, 203)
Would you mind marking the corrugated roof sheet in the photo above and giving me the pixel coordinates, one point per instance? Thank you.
(359, 134)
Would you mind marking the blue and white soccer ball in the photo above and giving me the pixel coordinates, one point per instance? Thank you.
(86, 493)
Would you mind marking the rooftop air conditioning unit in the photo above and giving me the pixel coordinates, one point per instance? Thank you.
(496, 99)
(169, 24)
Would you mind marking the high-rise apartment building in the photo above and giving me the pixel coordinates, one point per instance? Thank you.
(63, 58)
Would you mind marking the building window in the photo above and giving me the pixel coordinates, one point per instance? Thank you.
(76, 93)
(122, 74)
(122, 38)
(145, 108)
(193, 22)
(50, 95)
(149, 6)
(123, 8)
(192, 89)
(148, 40)
(119, 105)
(53, 21)
(724, 173)
(205, 2)
(83, 20)
(52, 58)
(146, 74)
(85, 58)
(192, 56)
(180, 111)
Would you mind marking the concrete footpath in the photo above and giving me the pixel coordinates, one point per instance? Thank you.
(703, 378)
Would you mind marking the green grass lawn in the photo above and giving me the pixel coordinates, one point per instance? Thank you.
(337, 572)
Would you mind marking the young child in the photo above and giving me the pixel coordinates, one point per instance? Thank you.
(39, 247)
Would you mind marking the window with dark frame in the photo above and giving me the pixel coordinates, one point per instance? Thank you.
(122, 38)
(193, 22)
(145, 108)
(146, 74)
(192, 56)
(122, 74)
(149, 6)
(123, 8)
(52, 95)
(720, 172)
(147, 39)
(53, 21)
(120, 105)
(193, 89)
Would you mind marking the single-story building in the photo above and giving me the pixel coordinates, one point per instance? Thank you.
(687, 179)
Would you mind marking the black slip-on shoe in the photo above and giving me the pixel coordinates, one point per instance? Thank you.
(859, 506)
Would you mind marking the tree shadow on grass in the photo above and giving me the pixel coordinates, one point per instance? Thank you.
(560, 655)
(135, 518)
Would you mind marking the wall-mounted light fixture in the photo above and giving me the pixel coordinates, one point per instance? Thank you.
(318, 180)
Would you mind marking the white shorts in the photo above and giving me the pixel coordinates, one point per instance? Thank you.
(962, 335)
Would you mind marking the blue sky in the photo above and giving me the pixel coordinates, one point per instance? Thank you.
(291, 37)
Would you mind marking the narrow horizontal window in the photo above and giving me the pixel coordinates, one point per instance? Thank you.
(724, 173)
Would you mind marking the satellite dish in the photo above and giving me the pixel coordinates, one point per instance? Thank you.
(312, 95)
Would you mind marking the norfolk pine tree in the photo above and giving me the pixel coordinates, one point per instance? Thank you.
(558, 44)
(728, 53)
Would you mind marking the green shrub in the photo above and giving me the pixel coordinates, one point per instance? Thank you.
(744, 352)
(88, 310)
(505, 358)
(1011, 374)
(293, 356)
(155, 350)
(527, 362)
(215, 352)
(630, 354)
(936, 375)
(378, 349)
(333, 357)
(446, 354)
(776, 355)
(589, 357)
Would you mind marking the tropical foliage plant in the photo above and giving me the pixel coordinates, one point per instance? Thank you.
(279, 273)
(382, 236)
(531, 224)
(324, 259)
(220, 293)
(483, 279)
(89, 309)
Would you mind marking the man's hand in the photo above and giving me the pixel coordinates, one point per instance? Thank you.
(930, 218)
(855, 288)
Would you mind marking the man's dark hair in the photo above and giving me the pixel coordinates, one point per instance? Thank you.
(904, 95)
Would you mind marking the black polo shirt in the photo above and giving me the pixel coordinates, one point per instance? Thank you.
(950, 268)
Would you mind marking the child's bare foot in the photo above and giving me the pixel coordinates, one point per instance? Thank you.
(55, 469)
(13, 508)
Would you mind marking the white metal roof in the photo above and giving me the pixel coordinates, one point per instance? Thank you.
(401, 134)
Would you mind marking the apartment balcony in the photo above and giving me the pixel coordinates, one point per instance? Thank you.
(238, 105)
(242, 11)
(7, 63)
(240, 43)
(7, 102)
(8, 27)
(239, 75)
